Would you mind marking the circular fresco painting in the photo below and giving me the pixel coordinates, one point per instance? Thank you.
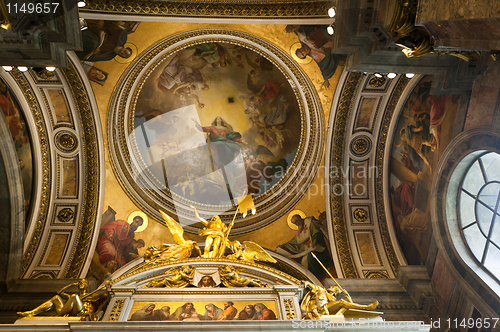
(214, 122)
(204, 117)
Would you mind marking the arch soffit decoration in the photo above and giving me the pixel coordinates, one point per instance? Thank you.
(274, 202)
(484, 291)
(69, 171)
(352, 217)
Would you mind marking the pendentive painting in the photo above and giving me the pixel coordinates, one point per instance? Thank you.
(422, 133)
(215, 121)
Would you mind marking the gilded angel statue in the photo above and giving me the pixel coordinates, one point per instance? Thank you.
(251, 252)
(230, 278)
(183, 276)
(171, 252)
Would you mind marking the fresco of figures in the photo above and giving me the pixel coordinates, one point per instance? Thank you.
(117, 245)
(422, 134)
(216, 120)
(16, 122)
(311, 238)
(203, 311)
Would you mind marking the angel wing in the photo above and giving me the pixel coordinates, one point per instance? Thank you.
(252, 248)
(174, 228)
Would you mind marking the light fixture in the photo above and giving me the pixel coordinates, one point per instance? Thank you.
(22, 68)
(81, 4)
(391, 75)
(5, 26)
(329, 29)
(409, 75)
(7, 68)
(50, 68)
(379, 75)
(331, 12)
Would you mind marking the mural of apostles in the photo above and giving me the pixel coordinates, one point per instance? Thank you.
(422, 133)
(311, 238)
(188, 312)
(18, 128)
(116, 245)
(216, 118)
(315, 43)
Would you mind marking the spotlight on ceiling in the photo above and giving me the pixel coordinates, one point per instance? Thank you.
(409, 75)
(331, 12)
(81, 4)
(378, 75)
(50, 68)
(7, 68)
(391, 75)
(330, 30)
(22, 68)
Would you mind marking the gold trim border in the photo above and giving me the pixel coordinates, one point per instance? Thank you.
(91, 185)
(340, 232)
(383, 140)
(46, 178)
(212, 9)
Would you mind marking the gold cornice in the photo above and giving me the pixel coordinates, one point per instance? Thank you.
(379, 164)
(213, 9)
(91, 186)
(205, 262)
(46, 178)
(342, 115)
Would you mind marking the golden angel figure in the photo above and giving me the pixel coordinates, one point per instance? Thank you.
(251, 252)
(320, 301)
(230, 278)
(182, 278)
(216, 233)
(171, 252)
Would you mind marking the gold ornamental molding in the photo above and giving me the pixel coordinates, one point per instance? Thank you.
(267, 10)
(338, 216)
(45, 152)
(272, 204)
(90, 153)
(379, 164)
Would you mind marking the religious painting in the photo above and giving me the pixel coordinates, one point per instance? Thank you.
(19, 131)
(69, 175)
(199, 311)
(97, 75)
(366, 248)
(59, 105)
(57, 249)
(310, 246)
(214, 122)
(107, 40)
(314, 44)
(422, 133)
(118, 243)
(366, 108)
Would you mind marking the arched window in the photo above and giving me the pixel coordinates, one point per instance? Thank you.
(479, 210)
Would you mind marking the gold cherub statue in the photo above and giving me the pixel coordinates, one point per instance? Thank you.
(171, 252)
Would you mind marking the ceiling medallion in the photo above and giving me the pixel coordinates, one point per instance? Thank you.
(360, 214)
(377, 82)
(65, 215)
(361, 145)
(66, 141)
(199, 126)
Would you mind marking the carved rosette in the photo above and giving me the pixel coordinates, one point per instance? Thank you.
(66, 141)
